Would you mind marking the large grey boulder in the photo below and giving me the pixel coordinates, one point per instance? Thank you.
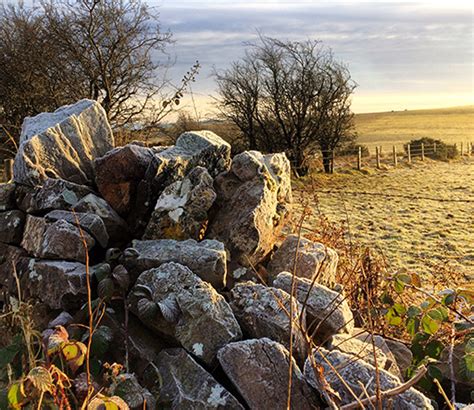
(90, 223)
(118, 173)
(9, 256)
(181, 210)
(117, 228)
(63, 144)
(403, 355)
(55, 240)
(327, 311)
(53, 194)
(7, 197)
(177, 304)
(358, 373)
(59, 284)
(314, 260)
(11, 227)
(186, 385)
(252, 206)
(207, 258)
(265, 312)
(259, 369)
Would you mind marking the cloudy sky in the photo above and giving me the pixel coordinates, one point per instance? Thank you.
(403, 55)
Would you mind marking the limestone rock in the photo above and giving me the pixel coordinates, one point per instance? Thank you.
(181, 210)
(117, 228)
(314, 260)
(59, 284)
(264, 312)
(186, 385)
(207, 258)
(7, 197)
(136, 396)
(118, 173)
(53, 194)
(258, 368)
(90, 223)
(174, 302)
(253, 203)
(55, 240)
(11, 227)
(63, 144)
(9, 256)
(355, 371)
(327, 313)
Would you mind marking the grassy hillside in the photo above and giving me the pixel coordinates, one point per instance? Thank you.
(393, 128)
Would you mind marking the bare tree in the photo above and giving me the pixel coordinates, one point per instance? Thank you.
(291, 96)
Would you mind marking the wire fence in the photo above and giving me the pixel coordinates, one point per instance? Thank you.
(360, 156)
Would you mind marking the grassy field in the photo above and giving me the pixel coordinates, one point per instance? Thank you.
(396, 128)
(430, 237)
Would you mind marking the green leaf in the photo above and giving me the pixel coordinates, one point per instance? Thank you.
(399, 309)
(398, 286)
(429, 325)
(403, 277)
(16, 395)
(101, 271)
(74, 352)
(101, 340)
(120, 274)
(435, 314)
(444, 313)
(413, 311)
(386, 299)
(469, 348)
(418, 352)
(412, 325)
(105, 289)
(434, 349)
(8, 353)
(435, 373)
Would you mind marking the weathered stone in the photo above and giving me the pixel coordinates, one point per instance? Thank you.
(186, 385)
(55, 240)
(363, 349)
(53, 194)
(358, 373)
(181, 210)
(253, 203)
(136, 396)
(264, 312)
(117, 228)
(327, 312)
(207, 258)
(7, 197)
(11, 227)
(9, 256)
(90, 223)
(402, 354)
(387, 361)
(259, 369)
(63, 144)
(59, 284)
(118, 173)
(175, 302)
(63, 319)
(314, 260)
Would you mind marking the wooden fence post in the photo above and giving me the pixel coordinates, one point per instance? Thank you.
(377, 156)
(8, 164)
(359, 159)
(422, 151)
(462, 149)
(332, 161)
(409, 153)
(395, 159)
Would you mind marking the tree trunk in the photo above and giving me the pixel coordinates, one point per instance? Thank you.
(327, 159)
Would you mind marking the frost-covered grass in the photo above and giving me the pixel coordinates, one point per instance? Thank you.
(428, 237)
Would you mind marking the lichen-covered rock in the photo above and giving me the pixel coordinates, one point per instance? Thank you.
(117, 228)
(59, 284)
(181, 210)
(118, 173)
(186, 385)
(207, 258)
(253, 203)
(55, 240)
(175, 302)
(259, 369)
(90, 223)
(53, 194)
(11, 227)
(402, 354)
(136, 396)
(315, 260)
(327, 312)
(7, 197)
(265, 312)
(357, 373)
(9, 256)
(192, 149)
(63, 144)
(362, 348)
